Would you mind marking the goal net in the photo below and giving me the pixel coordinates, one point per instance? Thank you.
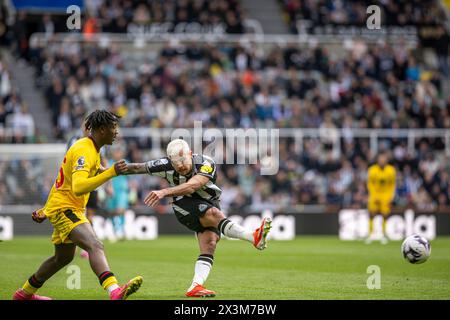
(27, 172)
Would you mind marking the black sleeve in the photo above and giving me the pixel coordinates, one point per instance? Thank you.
(158, 167)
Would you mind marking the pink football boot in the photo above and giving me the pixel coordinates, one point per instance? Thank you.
(22, 295)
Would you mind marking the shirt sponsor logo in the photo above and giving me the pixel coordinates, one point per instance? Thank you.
(206, 168)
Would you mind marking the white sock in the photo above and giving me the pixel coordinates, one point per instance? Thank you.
(112, 287)
(233, 230)
(202, 268)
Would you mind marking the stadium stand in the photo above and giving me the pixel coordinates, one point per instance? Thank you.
(427, 19)
(354, 13)
(16, 123)
(225, 85)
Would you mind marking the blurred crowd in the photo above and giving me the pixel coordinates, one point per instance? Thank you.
(115, 16)
(126, 16)
(16, 122)
(354, 12)
(24, 182)
(426, 17)
(227, 86)
(312, 177)
(249, 86)
(244, 86)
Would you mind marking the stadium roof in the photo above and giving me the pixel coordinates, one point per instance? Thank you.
(55, 6)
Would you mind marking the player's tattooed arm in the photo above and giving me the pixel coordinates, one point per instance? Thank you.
(195, 183)
(156, 167)
(136, 168)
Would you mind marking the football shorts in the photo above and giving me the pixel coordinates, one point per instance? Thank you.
(379, 205)
(64, 221)
(189, 211)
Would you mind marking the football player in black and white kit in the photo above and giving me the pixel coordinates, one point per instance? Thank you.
(192, 179)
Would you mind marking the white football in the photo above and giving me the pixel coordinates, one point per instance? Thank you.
(416, 249)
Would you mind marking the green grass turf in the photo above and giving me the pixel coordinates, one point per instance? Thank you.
(306, 268)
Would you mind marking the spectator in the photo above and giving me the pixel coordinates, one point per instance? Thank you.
(64, 119)
(22, 124)
(5, 82)
(47, 26)
(21, 35)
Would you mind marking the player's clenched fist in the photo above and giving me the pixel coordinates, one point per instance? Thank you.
(38, 216)
(120, 167)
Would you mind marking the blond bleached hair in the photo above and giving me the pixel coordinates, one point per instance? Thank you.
(175, 146)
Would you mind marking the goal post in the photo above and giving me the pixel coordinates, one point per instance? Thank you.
(27, 171)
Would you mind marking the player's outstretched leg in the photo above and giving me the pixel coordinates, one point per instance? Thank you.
(63, 256)
(257, 237)
(207, 241)
(215, 218)
(260, 234)
(84, 236)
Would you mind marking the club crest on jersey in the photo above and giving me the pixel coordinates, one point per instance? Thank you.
(206, 168)
(202, 207)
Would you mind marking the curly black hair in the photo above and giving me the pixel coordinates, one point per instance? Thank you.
(99, 118)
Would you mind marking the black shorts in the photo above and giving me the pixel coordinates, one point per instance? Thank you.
(189, 210)
(92, 202)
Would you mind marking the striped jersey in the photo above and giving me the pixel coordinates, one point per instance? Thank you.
(201, 164)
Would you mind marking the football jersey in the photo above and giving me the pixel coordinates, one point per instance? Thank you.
(81, 156)
(201, 164)
(77, 137)
(381, 180)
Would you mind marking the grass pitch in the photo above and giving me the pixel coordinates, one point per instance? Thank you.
(306, 268)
